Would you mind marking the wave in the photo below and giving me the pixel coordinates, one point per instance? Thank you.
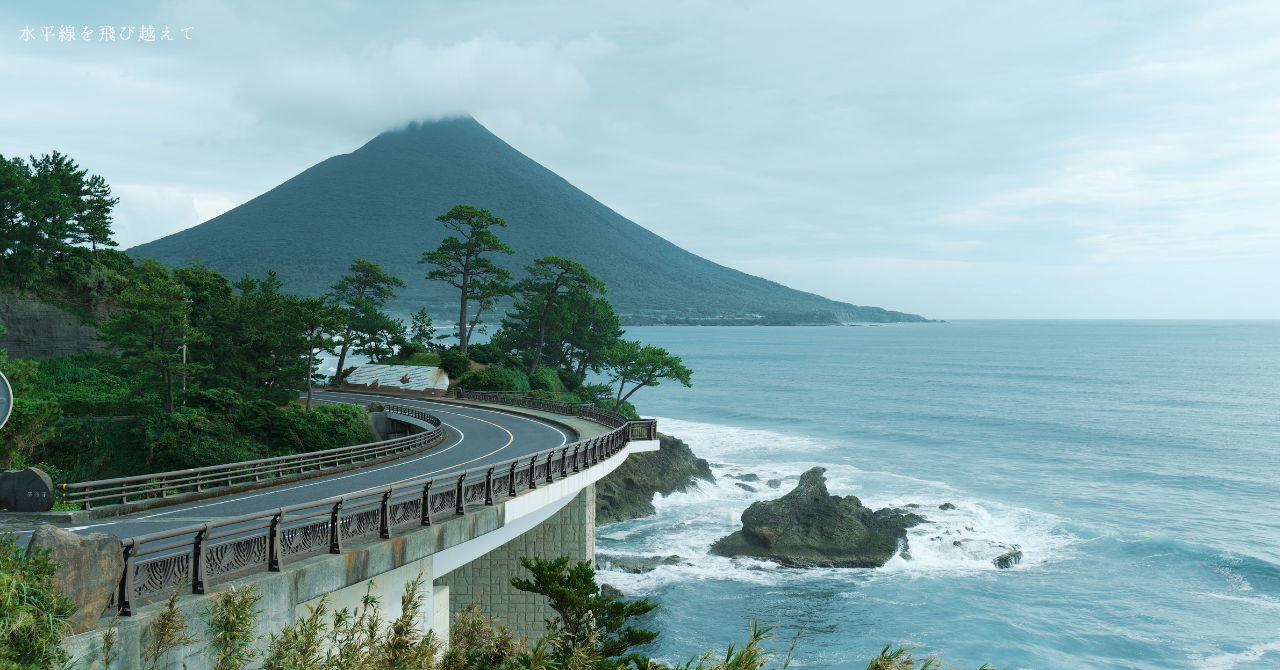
(687, 524)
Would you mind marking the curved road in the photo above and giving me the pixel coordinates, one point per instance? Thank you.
(476, 436)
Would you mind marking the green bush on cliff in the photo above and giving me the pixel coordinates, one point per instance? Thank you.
(545, 379)
(213, 427)
(494, 378)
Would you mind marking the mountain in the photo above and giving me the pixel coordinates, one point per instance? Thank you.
(380, 202)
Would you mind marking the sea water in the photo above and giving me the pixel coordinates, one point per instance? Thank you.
(1135, 464)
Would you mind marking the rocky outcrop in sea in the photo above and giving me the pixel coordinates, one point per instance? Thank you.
(809, 527)
(627, 492)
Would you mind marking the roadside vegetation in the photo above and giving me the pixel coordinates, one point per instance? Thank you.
(200, 369)
(591, 630)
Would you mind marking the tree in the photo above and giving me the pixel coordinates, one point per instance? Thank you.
(462, 263)
(423, 332)
(643, 365)
(152, 326)
(376, 334)
(549, 278)
(587, 622)
(365, 290)
(319, 320)
(47, 209)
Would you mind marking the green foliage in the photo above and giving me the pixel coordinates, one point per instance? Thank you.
(587, 622)
(495, 379)
(362, 295)
(569, 379)
(580, 328)
(356, 640)
(427, 359)
(422, 331)
(551, 278)
(461, 263)
(902, 659)
(643, 365)
(455, 363)
(543, 379)
(167, 632)
(214, 427)
(232, 621)
(49, 208)
(152, 326)
(33, 611)
(34, 412)
(484, 354)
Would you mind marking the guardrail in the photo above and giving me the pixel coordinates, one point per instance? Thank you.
(164, 484)
(581, 410)
(204, 554)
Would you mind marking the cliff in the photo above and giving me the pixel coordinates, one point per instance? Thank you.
(627, 493)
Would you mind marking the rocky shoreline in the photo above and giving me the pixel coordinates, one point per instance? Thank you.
(627, 493)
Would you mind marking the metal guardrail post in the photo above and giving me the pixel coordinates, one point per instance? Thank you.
(533, 464)
(198, 570)
(488, 487)
(426, 503)
(459, 506)
(384, 516)
(551, 456)
(335, 529)
(273, 543)
(125, 596)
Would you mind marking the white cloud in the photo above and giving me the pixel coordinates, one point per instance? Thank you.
(387, 86)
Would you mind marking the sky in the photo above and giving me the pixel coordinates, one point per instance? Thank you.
(1026, 159)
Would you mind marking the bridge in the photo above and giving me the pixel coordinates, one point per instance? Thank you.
(458, 493)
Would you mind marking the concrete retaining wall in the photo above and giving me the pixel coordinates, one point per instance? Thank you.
(34, 329)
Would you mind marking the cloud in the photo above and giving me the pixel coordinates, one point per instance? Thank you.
(149, 212)
(387, 86)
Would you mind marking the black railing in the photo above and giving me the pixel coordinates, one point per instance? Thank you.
(207, 553)
(164, 484)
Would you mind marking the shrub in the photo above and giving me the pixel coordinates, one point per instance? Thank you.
(426, 358)
(33, 612)
(495, 378)
(569, 379)
(455, 363)
(544, 379)
(484, 354)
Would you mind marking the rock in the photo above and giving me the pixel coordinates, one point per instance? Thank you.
(775, 483)
(912, 505)
(810, 528)
(747, 477)
(28, 490)
(89, 568)
(627, 492)
(946, 506)
(636, 564)
(745, 487)
(375, 406)
(905, 555)
(609, 590)
(1008, 559)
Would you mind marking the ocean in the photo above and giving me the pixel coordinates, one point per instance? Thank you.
(1135, 463)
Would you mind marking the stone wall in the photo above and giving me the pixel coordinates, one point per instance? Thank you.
(34, 329)
(487, 580)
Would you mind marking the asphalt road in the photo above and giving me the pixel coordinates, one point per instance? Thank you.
(475, 436)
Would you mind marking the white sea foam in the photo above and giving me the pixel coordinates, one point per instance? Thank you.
(1228, 661)
(687, 524)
